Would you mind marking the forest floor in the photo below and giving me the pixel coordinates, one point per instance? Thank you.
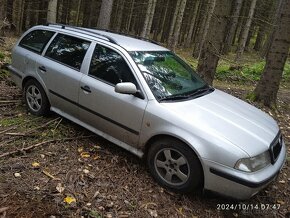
(51, 167)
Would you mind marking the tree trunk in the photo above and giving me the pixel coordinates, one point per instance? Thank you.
(120, 16)
(250, 35)
(148, 19)
(246, 30)
(203, 34)
(78, 12)
(275, 24)
(2, 10)
(268, 86)
(214, 41)
(165, 32)
(129, 21)
(172, 44)
(233, 26)
(260, 38)
(9, 11)
(172, 26)
(188, 39)
(2, 16)
(105, 14)
(51, 11)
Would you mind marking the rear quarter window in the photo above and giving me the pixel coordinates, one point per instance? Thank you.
(36, 40)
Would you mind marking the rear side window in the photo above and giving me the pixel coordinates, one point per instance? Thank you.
(36, 40)
(68, 50)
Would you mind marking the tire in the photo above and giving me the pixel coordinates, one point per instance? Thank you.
(174, 165)
(35, 98)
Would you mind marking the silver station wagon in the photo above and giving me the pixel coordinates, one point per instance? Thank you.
(144, 98)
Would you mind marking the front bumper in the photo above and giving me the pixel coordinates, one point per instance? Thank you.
(237, 184)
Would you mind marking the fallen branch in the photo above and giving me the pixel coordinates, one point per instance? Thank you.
(10, 101)
(42, 143)
(49, 175)
(6, 130)
(31, 130)
(3, 209)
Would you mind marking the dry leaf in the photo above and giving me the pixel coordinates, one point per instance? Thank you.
(152, 213)
(80, 149)
(59, 188)
(35, 164)
(280, 202)
(69, 200)
(17, 175)
(86, 171)
(85, 155)
(49, 175)
(282, 181)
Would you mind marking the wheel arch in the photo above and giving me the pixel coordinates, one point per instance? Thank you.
(29, 77)
(161, 136)
(168, 136)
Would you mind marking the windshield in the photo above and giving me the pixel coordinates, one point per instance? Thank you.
(168, 77)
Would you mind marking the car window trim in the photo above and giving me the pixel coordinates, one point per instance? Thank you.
(30, 48)
(73, 68)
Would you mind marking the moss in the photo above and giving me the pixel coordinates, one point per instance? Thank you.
(12, 121)
(251, 96)
(2, 56)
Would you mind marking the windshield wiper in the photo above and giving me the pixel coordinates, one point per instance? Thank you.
(174, 97)
(202, 91)
(196, 93)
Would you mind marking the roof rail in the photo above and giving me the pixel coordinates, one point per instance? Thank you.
(130, 35)
(83, 30)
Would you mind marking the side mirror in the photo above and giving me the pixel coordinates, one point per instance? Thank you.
(126, 88)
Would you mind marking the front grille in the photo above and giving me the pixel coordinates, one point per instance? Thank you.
(275, 148)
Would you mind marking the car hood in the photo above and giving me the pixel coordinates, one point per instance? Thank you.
(218, 113)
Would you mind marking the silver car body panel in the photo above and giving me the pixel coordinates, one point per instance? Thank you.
(219, 128)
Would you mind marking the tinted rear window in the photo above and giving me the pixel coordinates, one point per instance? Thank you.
(36, 40)
(68, 50)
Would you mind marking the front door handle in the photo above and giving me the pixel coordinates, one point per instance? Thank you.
(42, 68)
(86, 89)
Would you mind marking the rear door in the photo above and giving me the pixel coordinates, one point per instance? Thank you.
(61, 71)
(117, 115)
(26, 53)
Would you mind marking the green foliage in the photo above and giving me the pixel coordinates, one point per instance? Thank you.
(2, 56)
(251, 96)
(4, 74)
(247, 72)
(5, 122)
(94, 214)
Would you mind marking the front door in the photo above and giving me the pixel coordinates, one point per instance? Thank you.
(117, 115)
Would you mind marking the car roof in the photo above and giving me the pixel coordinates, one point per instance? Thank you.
(131, 43)
(128, 42)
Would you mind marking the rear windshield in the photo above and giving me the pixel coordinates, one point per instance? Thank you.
(36, 40)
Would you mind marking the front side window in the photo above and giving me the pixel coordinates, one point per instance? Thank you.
(68, 50)
(109, 66)
(36, 40)
(168, 77)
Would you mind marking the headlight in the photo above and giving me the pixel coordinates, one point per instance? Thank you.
(253, 164)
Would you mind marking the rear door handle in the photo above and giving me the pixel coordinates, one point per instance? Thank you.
(86, 89)
(42, 68)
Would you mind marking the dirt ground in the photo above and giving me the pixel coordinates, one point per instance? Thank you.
(50, 167)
